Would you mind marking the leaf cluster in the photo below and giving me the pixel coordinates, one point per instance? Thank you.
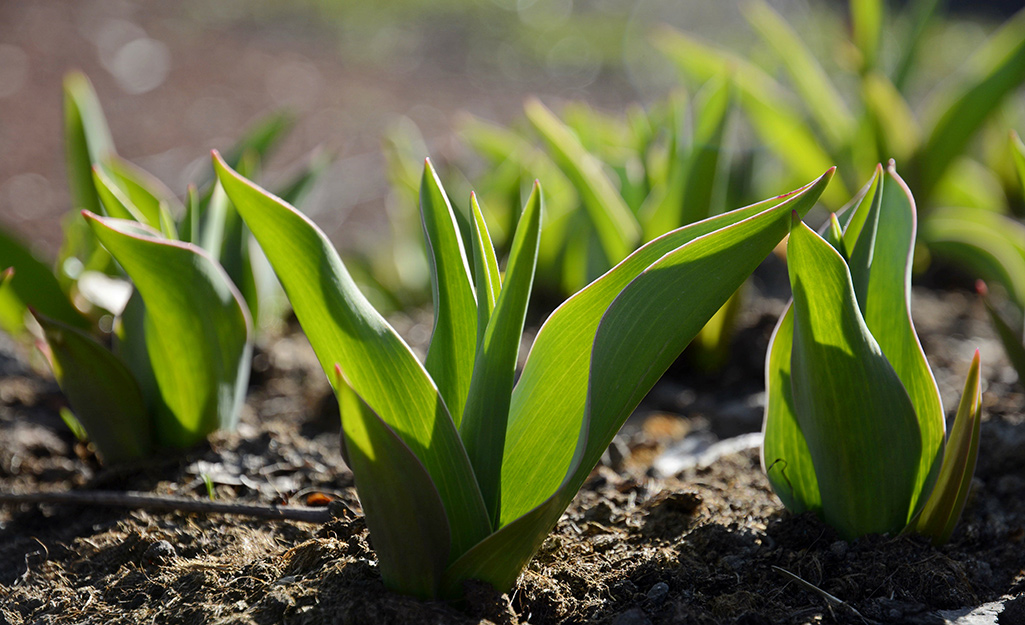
(174, 283)
(462, 466)
(854, 425)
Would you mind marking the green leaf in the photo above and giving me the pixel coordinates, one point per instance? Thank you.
(483, 428)
(867, 24)
(404, 513)
(897, 131)
(1018, 154)
(770, 108)
(33, 284)
(87, 139)
(101, 390)
(197, 331)
(343, 328)
(991, 74)
(540, 475)
(712, 107)
(145, 192)
(189, 231)
(923, 14)
(944, 506)
(114, 200)
(817, 92)
(454, 339)
(990, 245)
(615, 223)
(786, 459)
(865, 446)
(554, 378)
(488, 279)
(880, 265)
(1010, 334)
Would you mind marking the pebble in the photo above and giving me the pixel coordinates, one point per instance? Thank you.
(159, 552)
(658, 592)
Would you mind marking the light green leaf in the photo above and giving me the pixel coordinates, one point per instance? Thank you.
(87, 139)
(663, 270)
(408, 527)
(944, 506)
(189, 231)
(785, 456)
(33, 284)
(488, 278)
(880, 265)
(612, 218)
(817, 92)
(343, 328)
(867, 22)
(114, 200)
(898, 131)
(101, 390)
(483, 428)
(992, 73)
(554, 378)
(865, 446)
(712, 107)
(1018, 154)
(145, 192)
(454, 339)
(197, 331)
(770, 108)
(991, 245)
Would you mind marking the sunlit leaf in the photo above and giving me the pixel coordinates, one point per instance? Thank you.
(483, 428)
(617, 227)
(408, 527)
(101, 390)
(197, 331)
(865, 446)
(992, 73)
(817, 92)
(454, 338)
(343, 328)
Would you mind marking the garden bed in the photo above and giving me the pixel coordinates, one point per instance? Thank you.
(709, 543)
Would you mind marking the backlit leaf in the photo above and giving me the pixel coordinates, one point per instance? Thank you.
(344, 328)
(408, 527)
(483, 428)
(454, 339)
(101, 390)
(197, 331)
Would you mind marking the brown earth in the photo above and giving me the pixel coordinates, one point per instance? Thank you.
(701, 545)
(708, 544)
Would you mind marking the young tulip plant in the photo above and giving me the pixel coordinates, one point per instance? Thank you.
(178, 365)
(463, 469)
(854, 425)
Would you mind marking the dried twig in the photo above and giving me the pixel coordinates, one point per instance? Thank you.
(128, 499)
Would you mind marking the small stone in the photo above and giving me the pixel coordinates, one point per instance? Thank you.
(658, 592)
(159, 553)
(839, 548)
(633, 616)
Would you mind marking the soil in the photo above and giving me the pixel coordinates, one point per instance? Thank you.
(662, 532)
(708, 543)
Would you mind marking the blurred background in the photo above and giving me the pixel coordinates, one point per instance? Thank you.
(176, 79)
